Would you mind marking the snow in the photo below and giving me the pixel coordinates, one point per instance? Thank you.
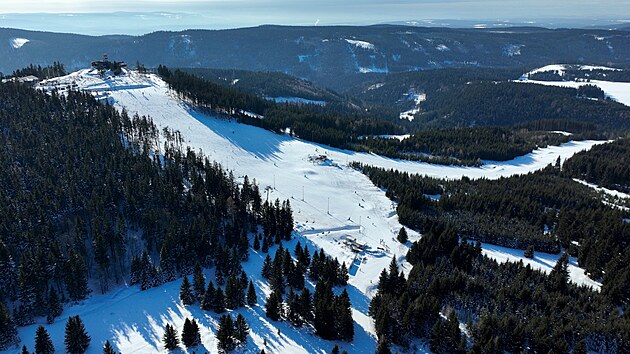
(388, 136)
(332, 203)
(607, 191)
(417, 98)
(296, 100)
(18, 42)
(561, 68)
(442, 48)
(541, 261)
(561, 132)
(511, 50)
(410, 114)
(361, 44)
(618, 91)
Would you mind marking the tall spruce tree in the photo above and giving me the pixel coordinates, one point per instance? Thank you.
(76, 338)
(108, 349)
(43, 343)
(170, 339)
(273, 306)
(225, 334)
(208, 297)
(199, 283)
(252, 299)
(402, 235)
(8, 330)
(185, 293)
(190, 333)
(343, 314)
(241, 329)
(54, 306)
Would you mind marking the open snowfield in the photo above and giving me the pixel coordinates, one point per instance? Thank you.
(334, 206)
(618, 91)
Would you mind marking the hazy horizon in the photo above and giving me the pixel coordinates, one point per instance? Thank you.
(143, 16)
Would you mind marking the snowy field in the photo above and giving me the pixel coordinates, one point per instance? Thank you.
(618, 91)
(334, 206)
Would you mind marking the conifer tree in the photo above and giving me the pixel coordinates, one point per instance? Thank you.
(108, 349)
(218, 305)
(335, 349)
(344, 321)
(402, 235)
(225, 334)
(8, 330)
(256, 245)
(43, 343)
(170, 340)
(241, 329)
(323, 319)
(186, 293)
(199, 283)
(266, 267)
(76, 279)
(306, 305)
(25, 350)
(383, 347)
(76, 338)
(190, 333)
(252, 299)
(54, 306)
(273, 306)
(208, 297)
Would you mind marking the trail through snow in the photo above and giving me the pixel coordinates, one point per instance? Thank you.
(334, 207)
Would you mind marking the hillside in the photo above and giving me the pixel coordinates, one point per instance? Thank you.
(334, 57)
(335, 208)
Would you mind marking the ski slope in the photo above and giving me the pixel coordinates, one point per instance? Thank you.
(335, 207)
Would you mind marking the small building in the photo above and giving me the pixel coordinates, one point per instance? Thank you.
(106, 65)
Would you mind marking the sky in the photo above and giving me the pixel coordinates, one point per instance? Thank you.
(137, 16)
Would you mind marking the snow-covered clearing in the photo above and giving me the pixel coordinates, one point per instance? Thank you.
(334, 207)
(541, 261)
(618, 91)
(361, 44)
(18, 42)
(561, 69)
(295, 100)
(611, 192)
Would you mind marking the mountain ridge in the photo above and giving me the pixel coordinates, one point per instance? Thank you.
(328, 55)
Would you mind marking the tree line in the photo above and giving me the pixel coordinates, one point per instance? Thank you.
(316, 123)
(91, 194)
(544, 210)
(501, 307)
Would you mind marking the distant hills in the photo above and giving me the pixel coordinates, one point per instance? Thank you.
(334, 57)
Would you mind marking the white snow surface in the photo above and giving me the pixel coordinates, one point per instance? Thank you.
(618, 91)
(333, 206)
(611, 192)
(541, 261)
(295, 100)
(18, 42)
(561, 68)
(361, 44)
